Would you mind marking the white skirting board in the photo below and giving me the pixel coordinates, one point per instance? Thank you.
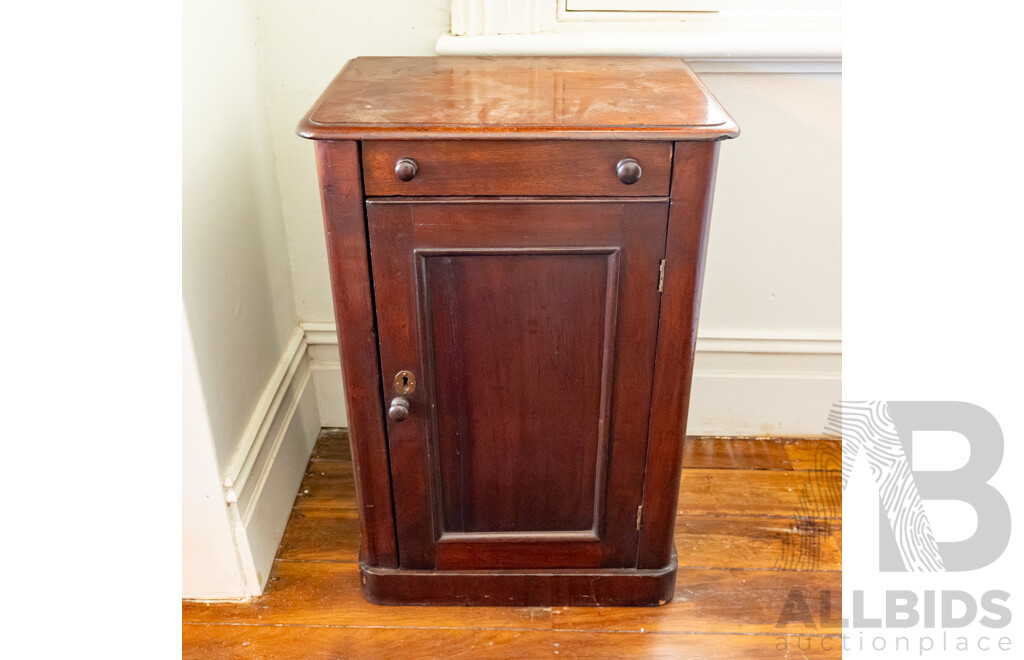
(267, 469)
(743, 384)
(770, 394)
(330, 393)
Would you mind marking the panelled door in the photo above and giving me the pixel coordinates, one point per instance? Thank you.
(517, 343)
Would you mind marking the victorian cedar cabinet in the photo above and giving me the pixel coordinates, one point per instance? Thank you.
(516, 248)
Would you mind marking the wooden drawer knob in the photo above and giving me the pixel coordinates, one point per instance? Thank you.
(405, 169)
(629, 171)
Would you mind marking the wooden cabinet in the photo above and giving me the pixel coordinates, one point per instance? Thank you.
(516, 248)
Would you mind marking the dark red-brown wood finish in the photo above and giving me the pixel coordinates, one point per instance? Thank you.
(531, 327)
(692, 187)
(516, 167)
(516, 318)
(341, 187)
(573, 98)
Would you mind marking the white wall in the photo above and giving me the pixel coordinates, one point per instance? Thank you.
(302, 51)
(774, 256)
(772, 304)
(238, 296)
(236, 277)
(303, 48)
(210, 565)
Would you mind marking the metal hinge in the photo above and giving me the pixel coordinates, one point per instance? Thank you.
(661, 276)
(639, 515)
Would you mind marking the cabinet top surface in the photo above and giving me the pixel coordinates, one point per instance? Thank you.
(517, 97)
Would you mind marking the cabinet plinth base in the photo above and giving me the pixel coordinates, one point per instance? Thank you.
(598, 587)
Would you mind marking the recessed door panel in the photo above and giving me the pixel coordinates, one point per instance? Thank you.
(530, 328)
(522, 344)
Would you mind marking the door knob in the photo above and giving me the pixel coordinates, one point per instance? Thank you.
(628, 170)
(399, 409)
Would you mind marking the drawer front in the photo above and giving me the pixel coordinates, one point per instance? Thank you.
(506, 167)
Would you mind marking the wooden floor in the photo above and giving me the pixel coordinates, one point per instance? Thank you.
(759, 524)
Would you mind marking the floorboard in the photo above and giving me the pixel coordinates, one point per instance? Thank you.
(332, 445)
(759, 543)
(811, 453)
(328, 593)
(327, 484)
(768, 493)
(315, 534)
(254, 641)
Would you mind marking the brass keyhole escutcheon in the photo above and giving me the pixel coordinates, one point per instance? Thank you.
(405, 383)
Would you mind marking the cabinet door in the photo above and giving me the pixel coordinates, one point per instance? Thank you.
(530, 330)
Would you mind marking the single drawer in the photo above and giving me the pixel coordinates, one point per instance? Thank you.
(512, 167)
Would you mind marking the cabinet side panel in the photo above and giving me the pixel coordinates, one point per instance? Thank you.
(347, 251)
(693, 175)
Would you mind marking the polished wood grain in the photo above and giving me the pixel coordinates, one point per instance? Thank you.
(303, 593)
(352, 288)
(518, 587)
(712, 492)
(520, 97)
(315, 534)
(531, 327)
(213, 641)
(328, 484)
(728, 606)
(811, 453)
(693, 173)
(455, 552)
(719, 600)
(516, 167)
(538, 420)
(332, 445)
(752, 542)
